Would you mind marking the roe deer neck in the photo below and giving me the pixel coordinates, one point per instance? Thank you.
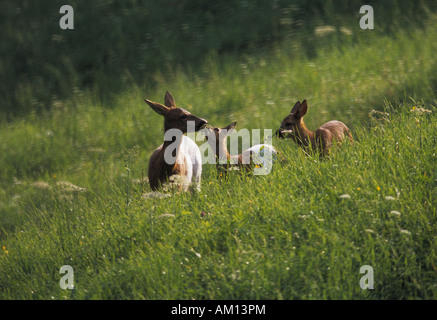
(222, 154)
(305, 137)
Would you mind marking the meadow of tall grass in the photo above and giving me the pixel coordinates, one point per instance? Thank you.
(74, 188)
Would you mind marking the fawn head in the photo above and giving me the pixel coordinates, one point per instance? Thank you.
(174, 117)
(292, 122)
(219, 134)
(216, 137)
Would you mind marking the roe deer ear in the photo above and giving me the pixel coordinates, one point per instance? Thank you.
(302, 109)
(229, 128)
(157, 107)
(168, 100)
(295, 107)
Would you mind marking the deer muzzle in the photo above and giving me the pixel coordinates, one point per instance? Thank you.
(201, 124)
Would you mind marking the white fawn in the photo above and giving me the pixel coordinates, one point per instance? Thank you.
(179, 155)
(320, 140)
(260, 155)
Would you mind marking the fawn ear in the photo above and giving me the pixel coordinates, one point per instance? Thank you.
(295, 107)
(302, 109)
(229, 128)
(168, 100)
(157, 107)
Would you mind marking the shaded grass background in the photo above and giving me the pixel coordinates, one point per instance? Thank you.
(116, 44)
(288, 235)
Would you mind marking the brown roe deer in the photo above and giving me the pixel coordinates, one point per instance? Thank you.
(178, 155)
(320, 140)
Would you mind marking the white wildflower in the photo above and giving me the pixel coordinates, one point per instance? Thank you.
(304, 216)
(155, 195)
(166, 215)
(41, 185)
(324, 30)
(420, 111)
(68, 186)
(396, 213)
(346, 31)
(405, 232)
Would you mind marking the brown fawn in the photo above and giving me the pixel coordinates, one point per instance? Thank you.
(178, 155)
(320, 140)
(257, 155)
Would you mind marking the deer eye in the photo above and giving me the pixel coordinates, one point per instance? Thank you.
(183, 117)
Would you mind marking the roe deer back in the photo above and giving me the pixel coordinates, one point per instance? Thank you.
(320, 140)
(178, 155)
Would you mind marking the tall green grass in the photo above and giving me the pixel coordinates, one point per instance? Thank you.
(72, 184)
(302, 232)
